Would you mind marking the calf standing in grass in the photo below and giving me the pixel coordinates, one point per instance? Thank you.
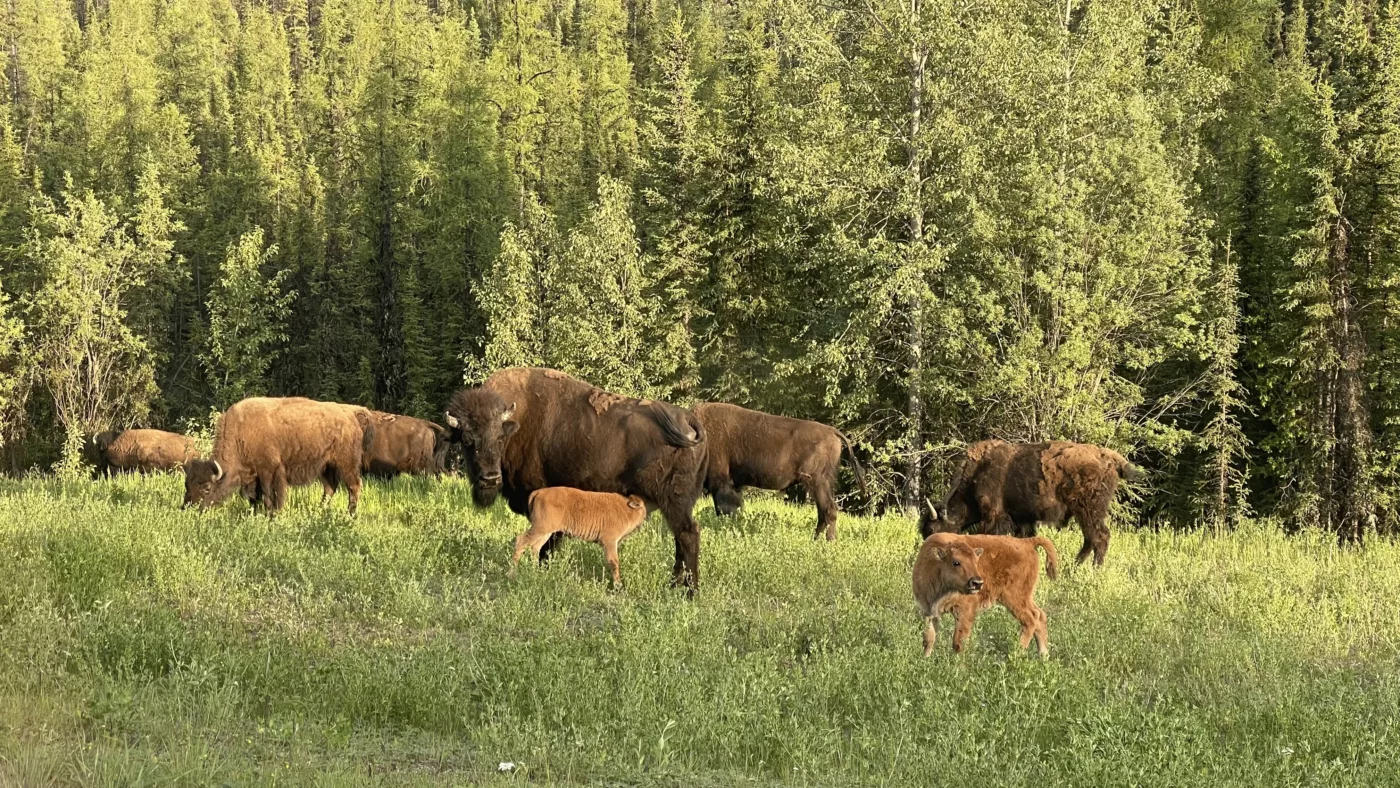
(965, 575)
(602, 518)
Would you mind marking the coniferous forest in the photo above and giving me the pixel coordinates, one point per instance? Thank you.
(1168, 226)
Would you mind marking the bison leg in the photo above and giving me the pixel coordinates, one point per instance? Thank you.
(610, 557)
(965, 615)
(548, 547)
(826, 508)
(352, 486)
(1032, 620)
(686, 571)
(930, 633)
(728, 499)
(1100, 545)
(276, 491)
(328, 486)
(531, 540)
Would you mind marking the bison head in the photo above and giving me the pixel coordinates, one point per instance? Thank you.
(950, 520)
(204, 480)
(482, 421)
(957, 563)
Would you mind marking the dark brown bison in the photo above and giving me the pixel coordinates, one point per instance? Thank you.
(1007, 488)
(748, 448)
(138, 451)
(265, 444)
(403, 444)
(526, 429)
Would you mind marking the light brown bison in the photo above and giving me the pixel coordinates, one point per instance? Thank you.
(1010, 487)
(602, 518)
(139, 451)
(403, 444)
(965, 575)
(265, 444)
(748, 448)
(525, 429)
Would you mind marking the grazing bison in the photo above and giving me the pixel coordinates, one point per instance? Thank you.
(1009, 487)
(965, 575)
(265, 444)
(403, 444)
(746, 448)
(139, 451)
(602, 518)
(525, 429)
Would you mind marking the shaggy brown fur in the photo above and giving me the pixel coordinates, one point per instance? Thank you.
(525, 429)
(403, 444)
(601, 518)
(748, 448)
(264, 445)
(139, 451)
(965, 575)
(1008, 488)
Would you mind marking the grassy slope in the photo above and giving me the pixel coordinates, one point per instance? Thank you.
(143, 645)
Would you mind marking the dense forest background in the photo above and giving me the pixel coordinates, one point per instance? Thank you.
(1169, 226)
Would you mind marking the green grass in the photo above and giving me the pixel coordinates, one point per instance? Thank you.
(142, 645)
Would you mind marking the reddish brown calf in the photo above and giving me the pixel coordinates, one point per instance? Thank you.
(965, 575)
(602, 518)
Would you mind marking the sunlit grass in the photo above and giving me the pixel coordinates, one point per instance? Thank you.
(140, 644)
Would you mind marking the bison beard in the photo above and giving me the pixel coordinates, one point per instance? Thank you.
(526, 429)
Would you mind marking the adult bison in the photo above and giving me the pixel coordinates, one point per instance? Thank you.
(1007, 488)
(138, 451)
(748, 448)
(403, 444)
(526, 429)
(265, 444)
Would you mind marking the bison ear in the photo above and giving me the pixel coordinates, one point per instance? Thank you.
(508, 412)
(218, 470)
(635, 502)
(451, 420)
(939, 554)
(977, 552)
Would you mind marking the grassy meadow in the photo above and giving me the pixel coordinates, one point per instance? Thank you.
(143, 645)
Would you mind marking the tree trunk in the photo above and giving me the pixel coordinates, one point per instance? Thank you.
(1354, 508)
(914, 301)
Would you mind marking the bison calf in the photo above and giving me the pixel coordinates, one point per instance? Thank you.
(965, 575)
(602, 518)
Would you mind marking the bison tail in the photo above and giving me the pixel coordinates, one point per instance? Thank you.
(1052, 558)
(1126, 470)
(681, 431)
(367, 425)
(855, 465)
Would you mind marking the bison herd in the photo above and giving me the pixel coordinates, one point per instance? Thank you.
(577, 460)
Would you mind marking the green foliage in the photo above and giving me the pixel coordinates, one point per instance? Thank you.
(247, 316)
(139, 643)
(922, 222)
(98, 371)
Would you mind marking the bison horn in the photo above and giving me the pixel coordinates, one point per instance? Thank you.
(451, 420)
(931, 510)
(218, 471)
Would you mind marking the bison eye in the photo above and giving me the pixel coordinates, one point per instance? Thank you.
(956, 562)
